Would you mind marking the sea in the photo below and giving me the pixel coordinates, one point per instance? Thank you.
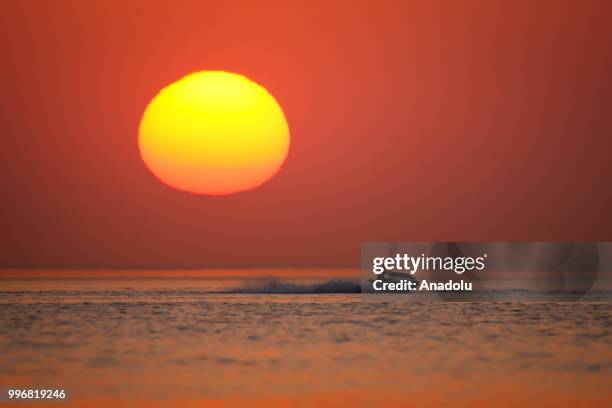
(293, 338)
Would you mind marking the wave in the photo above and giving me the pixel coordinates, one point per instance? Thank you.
(275, 286)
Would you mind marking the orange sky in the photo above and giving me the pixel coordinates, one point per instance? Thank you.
(410, 121)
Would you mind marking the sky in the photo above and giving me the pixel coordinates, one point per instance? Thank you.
(410, 121)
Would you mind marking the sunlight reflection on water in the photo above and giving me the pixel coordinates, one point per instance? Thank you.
(138, 338)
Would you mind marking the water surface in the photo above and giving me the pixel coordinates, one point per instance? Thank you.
(172, 342)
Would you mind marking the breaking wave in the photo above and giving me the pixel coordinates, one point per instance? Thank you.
(275, 286)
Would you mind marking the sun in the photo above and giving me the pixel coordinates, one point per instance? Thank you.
(213, 132)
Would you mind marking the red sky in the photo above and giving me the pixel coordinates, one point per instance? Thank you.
(477, 120)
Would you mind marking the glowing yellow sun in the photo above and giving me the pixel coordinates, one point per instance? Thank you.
(214, 132)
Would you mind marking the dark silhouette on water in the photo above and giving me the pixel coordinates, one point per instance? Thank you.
(276, 286)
